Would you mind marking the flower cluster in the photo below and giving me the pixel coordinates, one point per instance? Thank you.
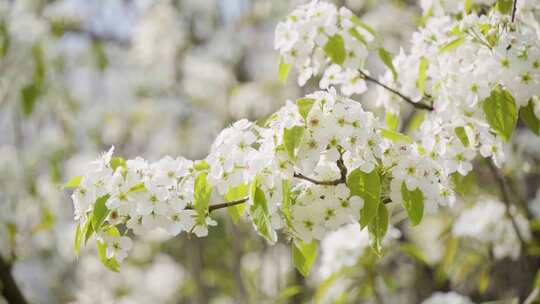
(317, 38)
(490, 223)
(467, 68)
(323, 162)
(294, 173)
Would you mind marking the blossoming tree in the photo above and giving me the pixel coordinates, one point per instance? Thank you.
(322, 162)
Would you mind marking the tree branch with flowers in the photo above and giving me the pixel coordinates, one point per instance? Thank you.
(323, 161)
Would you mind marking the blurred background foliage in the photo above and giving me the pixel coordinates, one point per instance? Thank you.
(159, 78)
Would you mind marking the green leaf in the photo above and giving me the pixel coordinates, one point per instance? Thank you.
(462, 135)
(422, 68)
(529, 118)
(288, 293)
(463, 184)
(395, 136)
(140, 187)
(537, 279)
(292, 138)
(501, 112)
(416, 121)
(201, 165)
(451, 45)
(414, 252)
(368, 187)
(88, 229)
(284, 69)
(99, 54)
(29, 96)
(100, 212)
(504, 6)
(73, 183)
(363, 25)
(259, 214)
(413, 201)
(468, 6)
(304, 106)
(118, 162)
(387, 59)
(111, 264)
(377, 229)
(483, 280)
(303, 256)
(234, 194)
(354, 32)
(202, 193)
(335, 49)
(392, 121)
(5, 40)
(286, 188)
(78, 240)
(32, 91)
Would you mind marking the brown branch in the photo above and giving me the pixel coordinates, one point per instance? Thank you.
(9, 288)
(407, 99)
(228, 204)
(222, 205)
(341, 180)
(318, 182)
(505, 193)
(514, 9)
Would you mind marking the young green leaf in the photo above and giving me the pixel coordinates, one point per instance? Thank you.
(304, 106)
(303, 256)
(387, 59)
(73, 183)
(284, 69)
(451, 45)
(392, 121)
(462, 135)
(356, 34)
(286, 188)
(78, 240)
(111, 263)
(259, 214)
(234, 194)
(292, 138)
(202, 194)
(335, 49)
(529, 118)
(363, 25)
(395, 136)
(368, 187)
(377, 229)
(201, 165)
(421, 82)
(501, 112)
(100, 212)
(413, 201)
(118, 162)
(504, 6)
(87, 230)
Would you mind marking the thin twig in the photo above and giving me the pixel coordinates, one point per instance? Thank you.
(417, 105)
(503, 185)
(341, 180)
(514, 9)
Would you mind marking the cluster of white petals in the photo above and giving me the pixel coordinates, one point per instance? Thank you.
(319, 39)
(489, 222)
(322, 162)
